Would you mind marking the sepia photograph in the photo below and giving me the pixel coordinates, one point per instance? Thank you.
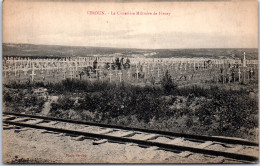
(130, 82)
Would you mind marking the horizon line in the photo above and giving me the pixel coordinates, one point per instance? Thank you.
(136, 48)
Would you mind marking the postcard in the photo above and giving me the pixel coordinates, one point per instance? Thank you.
(124, 82)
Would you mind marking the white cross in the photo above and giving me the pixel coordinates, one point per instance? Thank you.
(110, 75)
(32, 75)
(248, 72)
(100, 71)
(116, 72)
(167, 66)
(64, 74)
(71, 75)
(163, 68)
(137, 72)
(152, 71)
(171, 67)
(5, 71)
(251, 73)
(58, 66)
(76, 63)
(42, 67)
(25, 71)
(244, 60)
(120, 76)
(48, 68)
(42, 75)
(90, 73)
(14, 68)
(97, 70)
(158, 71)
(110, 66)
(53, 67)
(129, 73)
(239, 73)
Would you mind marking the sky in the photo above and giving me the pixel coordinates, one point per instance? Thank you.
(199, 24)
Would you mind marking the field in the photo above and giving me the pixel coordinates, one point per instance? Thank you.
(47, 51)
(208, 92)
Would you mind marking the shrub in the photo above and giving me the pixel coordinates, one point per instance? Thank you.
(7, 97)
(230, 110)
(22, 99)
(221, 112)
(168, 85)
(196, 91)
(63, 102)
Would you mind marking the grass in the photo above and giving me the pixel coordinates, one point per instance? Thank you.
(193, 109)
(22, 100)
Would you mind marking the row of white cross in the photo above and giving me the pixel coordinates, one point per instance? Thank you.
(90, 60)
(17, 64)
(136, 70)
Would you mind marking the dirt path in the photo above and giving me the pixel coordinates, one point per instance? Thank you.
(47, 105)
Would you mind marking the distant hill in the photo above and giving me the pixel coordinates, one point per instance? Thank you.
(31, 50)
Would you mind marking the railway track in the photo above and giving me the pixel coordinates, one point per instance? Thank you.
(219, 148)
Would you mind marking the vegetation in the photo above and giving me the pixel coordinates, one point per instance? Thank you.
(22, 100)
(167, 84)
(194, 109)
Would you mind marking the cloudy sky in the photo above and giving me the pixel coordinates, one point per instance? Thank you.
(211, 24)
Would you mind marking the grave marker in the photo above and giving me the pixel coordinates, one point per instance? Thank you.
(97, 73)
(32, 75)
(239, 75)
(71, 75)
(120, 76)
(100, 74)
(110, 76)
(244, 60)
(251, 71)
(91, 72)
(137, 73)
(129, 73)
(64, 75)
(158, 72)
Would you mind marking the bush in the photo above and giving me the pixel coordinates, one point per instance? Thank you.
(7, 97)
(168, 85)
(193, 109)
(230, 110)
(115, 101)
(22, 99)
(63, 103)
